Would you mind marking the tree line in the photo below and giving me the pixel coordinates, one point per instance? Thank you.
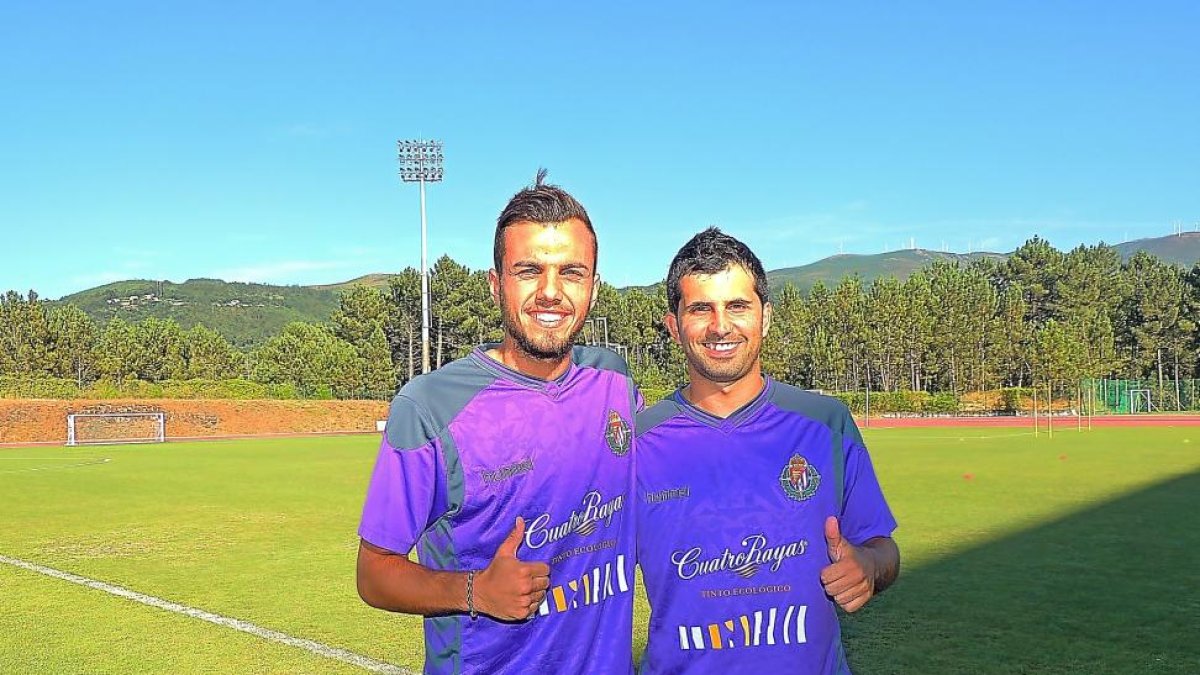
(1040, 315)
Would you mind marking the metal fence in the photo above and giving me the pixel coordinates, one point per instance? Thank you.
(1141, 396)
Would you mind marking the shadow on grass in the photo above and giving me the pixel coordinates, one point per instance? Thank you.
(1113, 589)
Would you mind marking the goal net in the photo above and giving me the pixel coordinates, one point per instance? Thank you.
(128, 427)
(1140, 401)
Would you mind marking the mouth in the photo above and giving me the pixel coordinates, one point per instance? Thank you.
(549, 320)
(722, 349)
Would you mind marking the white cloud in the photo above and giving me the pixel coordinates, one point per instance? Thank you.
(821, 228)
(285, 271)
(369, 252)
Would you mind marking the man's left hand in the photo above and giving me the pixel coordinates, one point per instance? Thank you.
(850, 580)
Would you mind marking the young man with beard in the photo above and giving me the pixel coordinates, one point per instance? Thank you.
(758, 506)
(509, 469)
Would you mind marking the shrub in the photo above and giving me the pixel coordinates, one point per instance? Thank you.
(12, 386)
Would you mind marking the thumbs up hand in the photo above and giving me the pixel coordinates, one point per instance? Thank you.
(833, 539)
(850, 579)
(507, 588)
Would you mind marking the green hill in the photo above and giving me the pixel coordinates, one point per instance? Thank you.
(1178, 249)
(246, 314)
(379, 281)
(897, 264)
(1182, 249)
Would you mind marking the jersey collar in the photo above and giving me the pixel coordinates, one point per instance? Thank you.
(736, 418)
(479, 354)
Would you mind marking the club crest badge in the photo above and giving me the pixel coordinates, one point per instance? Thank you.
(799, 479)
(616, 432)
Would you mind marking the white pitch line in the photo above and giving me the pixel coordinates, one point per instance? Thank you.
(236, 624)
(89, 462)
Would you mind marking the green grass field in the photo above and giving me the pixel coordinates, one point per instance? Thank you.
(1070, 555)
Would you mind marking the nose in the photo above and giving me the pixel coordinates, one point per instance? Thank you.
(550, 290)
(718, 322)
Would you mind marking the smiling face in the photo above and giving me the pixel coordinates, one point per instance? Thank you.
(544, 289)
(720, 323)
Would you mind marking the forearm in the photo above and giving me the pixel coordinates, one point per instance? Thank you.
(885, 556)
(393, 582)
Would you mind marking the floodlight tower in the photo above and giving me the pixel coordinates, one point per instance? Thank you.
(421, 162)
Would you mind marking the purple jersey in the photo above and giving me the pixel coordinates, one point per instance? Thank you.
(731, 538)
(475, 444)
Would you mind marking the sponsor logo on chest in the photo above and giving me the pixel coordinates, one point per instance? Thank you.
(593, 511)
(767, 627)
(755, 552)
(596, 585)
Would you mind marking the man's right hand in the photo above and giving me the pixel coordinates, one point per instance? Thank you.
(509, 589)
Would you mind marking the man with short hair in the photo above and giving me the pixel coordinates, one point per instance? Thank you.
(510, 469)
(758, 506)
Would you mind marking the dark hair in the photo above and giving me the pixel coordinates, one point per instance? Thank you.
(710, 252)
(541, 202)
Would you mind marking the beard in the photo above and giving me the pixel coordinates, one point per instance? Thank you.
(723, 372)
(546, 346)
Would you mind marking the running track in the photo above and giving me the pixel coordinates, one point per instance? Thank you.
(1063, 421)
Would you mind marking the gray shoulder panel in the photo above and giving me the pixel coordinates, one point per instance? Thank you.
(655, 415)
(428, 403)
(824, 409)
(598, 357)
(830, 412)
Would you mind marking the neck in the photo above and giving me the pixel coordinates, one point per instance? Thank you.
(514, 357)
(722, 399)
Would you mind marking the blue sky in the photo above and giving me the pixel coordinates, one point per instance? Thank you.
(256, 141)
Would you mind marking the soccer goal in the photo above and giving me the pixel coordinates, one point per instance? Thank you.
(112, 428)
(1140, 401)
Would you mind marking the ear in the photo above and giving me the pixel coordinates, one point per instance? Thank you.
(494, 285)
(595, 292)
(768, 312)
(672, 326)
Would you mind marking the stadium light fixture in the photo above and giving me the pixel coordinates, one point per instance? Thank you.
(421, 162)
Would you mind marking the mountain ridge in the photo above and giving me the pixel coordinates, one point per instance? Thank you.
(248, 313)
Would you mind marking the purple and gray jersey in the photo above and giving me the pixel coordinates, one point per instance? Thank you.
(475, 444)
(731, 539)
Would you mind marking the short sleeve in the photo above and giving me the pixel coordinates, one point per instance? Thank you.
(407, 492)
(637, 402)
(865, 513)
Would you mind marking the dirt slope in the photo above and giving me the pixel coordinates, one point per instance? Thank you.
(44, 420)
